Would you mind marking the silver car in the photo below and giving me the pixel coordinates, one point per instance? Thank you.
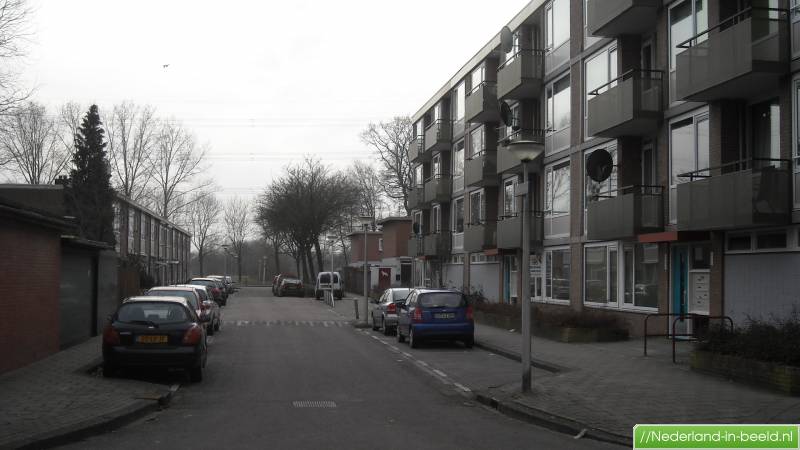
(384, 314)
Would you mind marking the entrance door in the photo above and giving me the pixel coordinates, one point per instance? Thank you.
(384, 278)
(680, 271)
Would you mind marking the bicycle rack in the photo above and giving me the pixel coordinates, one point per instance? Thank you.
(679, 317)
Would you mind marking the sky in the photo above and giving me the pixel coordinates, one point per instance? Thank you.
(262, 83)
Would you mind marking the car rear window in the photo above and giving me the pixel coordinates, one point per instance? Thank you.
(204, 282)
(335, 278)
(324, 278)
(442, 299)
(189, 296)
(156, 312)
(400, 294)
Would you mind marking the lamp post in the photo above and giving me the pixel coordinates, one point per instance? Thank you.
(366, 221)
(331, 240)
(526, 151)
(225, 258)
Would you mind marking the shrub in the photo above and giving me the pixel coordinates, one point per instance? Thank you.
(557, 318)
(777, 340)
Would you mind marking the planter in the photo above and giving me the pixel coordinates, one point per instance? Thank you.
(552, 332)
(774, 376)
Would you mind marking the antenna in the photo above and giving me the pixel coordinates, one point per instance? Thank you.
(505, 114)
(599, 165)
(506, 39)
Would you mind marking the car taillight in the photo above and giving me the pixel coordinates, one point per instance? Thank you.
(469, 312)
(214, 291)
(193, 335)
(417, 317)
(392, 308)
(110, 335)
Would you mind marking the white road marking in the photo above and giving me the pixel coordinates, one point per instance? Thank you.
(440, 373)
(462, 387)
(407, 355)
(422, 363)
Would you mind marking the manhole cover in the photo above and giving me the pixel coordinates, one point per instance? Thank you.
(313, 404)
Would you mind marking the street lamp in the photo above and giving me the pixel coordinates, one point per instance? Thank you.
(366, 221)
(331, 240)
(526, 151)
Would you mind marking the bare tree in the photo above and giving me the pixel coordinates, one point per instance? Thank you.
(14, 21)
(237, 227)
(369, 190)
(391, 141)
(175, 160)
(131, 139)
(203, 219)
(31, 142)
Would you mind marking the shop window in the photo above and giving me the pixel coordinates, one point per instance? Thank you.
(739, 242)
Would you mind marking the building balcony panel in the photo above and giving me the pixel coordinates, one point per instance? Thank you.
(522, 76)
(612, 18)
(634, 210)
(437, 245)
(507, 161)
(416, 247)
(740, 58)
(482, 105)
(416, 197)
(628, 106)
(481, 169)
(416, 150)
(480, 237)
(438, 189)
(509, 231)
(438, 136)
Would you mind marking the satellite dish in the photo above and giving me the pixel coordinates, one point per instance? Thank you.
(415, 226)
(599, 165)
(505, 114)
(506, 40)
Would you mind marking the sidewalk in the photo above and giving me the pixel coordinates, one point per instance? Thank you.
(610, 387)
(56, 399)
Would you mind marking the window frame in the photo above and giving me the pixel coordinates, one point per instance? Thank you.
(544, 298)
(612, 72)
(697, 115)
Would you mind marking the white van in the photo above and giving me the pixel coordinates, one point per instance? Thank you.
(324, 282)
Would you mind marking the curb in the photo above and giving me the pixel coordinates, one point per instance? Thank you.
(538, 363)
(95, 425)
(547, 420)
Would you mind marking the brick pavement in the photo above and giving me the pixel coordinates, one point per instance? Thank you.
(57, 395)
(612, 386)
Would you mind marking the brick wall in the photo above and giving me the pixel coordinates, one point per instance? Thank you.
(357, 247)
(395, 238)
(29, 319)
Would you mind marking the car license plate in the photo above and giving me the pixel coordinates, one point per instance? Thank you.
(445, 316)
(150, 339)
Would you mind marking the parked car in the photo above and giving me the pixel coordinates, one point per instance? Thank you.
(221, 286)
(384, 315)
(150, 331)
(291, 286)
(210, 307)
(189, 294)
(215, 290)
(324, 283)
(276, 282)
(225, 280)
(435, 314)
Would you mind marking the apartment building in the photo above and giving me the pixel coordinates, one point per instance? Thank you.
(160, 246)
(696, 103)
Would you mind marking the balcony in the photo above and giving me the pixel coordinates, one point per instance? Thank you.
(626, 213)
(481, 169)
(438, 189)
(521, 76)
(416, 151)
(437, 244)
(612, 18)
(482, 105)
(742, 194)
(416, 197)
(509, 231)
(416, 246)
(629, 105)
(740, 58)
(480, 237)
(506, 161)
(438, 136)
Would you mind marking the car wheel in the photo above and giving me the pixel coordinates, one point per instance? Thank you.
(469, 342)
(400, 337)
(109, 370)
(386, 330)
(196, 374)
(412, 341)
(210, 329)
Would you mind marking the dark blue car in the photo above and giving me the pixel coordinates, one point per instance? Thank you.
(435, 314)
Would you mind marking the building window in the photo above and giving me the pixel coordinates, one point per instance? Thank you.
(739, 242)
(477, 208)
(515, 38)
(476, 77)
(436, 219)
(688, 153)
(599, 70)
(458, 163)
(458, 215)
(587, 39)
(686, 19)
(131, 230)
(556, 199)
(476, 142)
(458, 107)
(598, 191)
(437, 164)
(557, 114)
(557, 273)
(380, 244)
(116, 225)
(796, 140)
(640, 274)
(416, 226)
(509, 199)
(600, 274)
(153, 238)
(419, 179)
(556, 23)
(775, 239)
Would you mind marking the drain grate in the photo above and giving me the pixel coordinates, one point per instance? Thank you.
(313, 404)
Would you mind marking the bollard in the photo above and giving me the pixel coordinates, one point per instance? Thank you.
(355, 305)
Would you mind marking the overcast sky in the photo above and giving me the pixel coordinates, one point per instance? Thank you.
(262, 82)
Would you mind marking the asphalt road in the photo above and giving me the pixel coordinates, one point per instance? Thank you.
(291, 373)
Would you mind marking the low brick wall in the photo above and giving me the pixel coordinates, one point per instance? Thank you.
(560, 334)
(773, 376)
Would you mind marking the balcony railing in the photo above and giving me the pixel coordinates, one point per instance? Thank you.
(509, 230)
(438, 136)
(740, 194)
(521, 75)
(438, 189)
(506, 161)
(625, 213)
(481, 169)
(480, 236)
(416, 197)
(740, 58)
(437, 244)
(612, 18)
(416, 246)
(481, 104)
(416, 150)
(629, 105)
